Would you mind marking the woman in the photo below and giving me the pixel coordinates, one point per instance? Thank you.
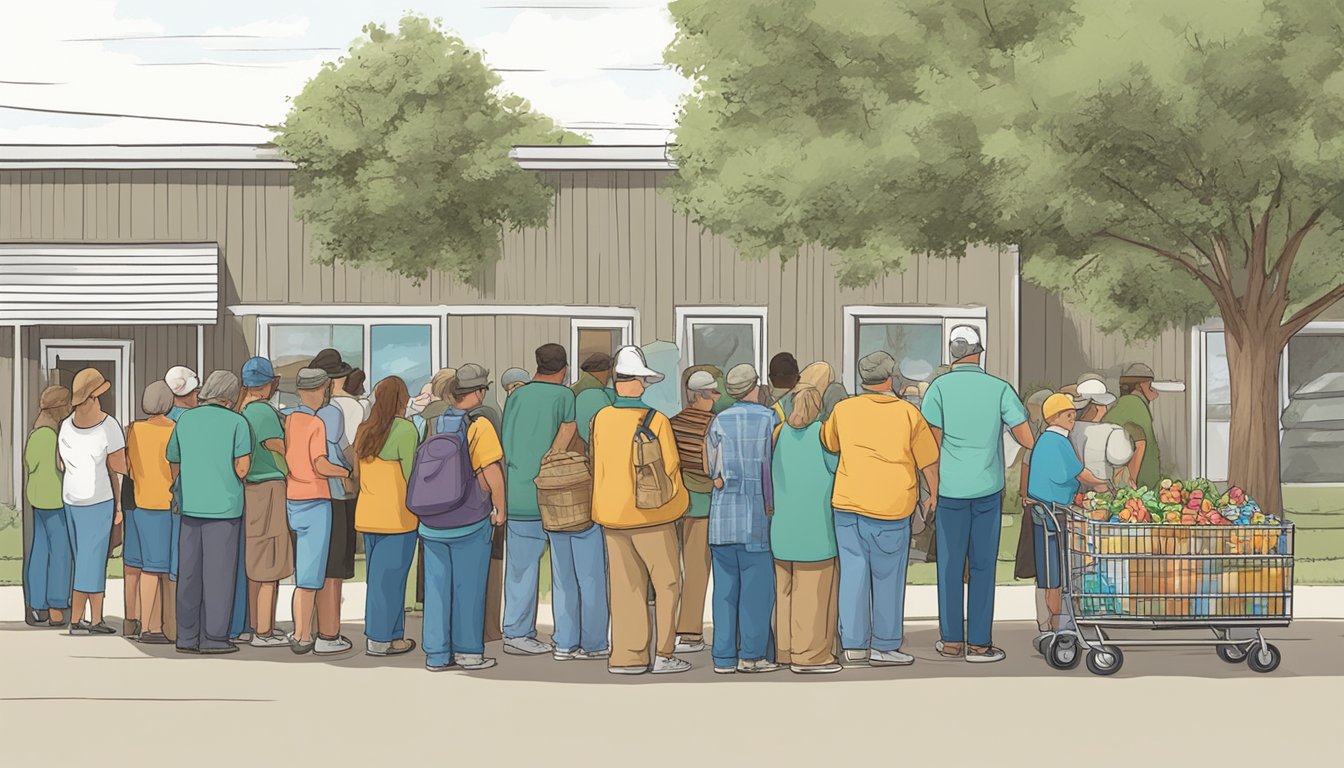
(385, 450)
(152, 535)
(821, 377)
(92, 448)
(47, 578)
(802, 537)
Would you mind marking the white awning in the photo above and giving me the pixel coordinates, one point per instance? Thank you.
(78, 284)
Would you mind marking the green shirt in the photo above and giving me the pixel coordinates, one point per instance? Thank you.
(586, 406)
(265, 424)
(402, 439)
(205, 443)
(699, 505)
(802, 528)
(532, 417)
(43, 477)
(1132, 414)
(586, 382)
(971, 407)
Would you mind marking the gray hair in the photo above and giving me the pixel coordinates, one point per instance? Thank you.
(220, 387)
(158, 399)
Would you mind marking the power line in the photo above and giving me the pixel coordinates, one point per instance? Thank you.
(83, 113)
(163, 37)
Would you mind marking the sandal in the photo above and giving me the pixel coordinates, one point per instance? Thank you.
(950, 650)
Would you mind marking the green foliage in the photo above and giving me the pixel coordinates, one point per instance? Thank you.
(1110, 139)
(402, 148)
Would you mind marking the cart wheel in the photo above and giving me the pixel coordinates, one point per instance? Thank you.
(1264, 659)
(1105, 660)
(1063, 652)
(1232, 654)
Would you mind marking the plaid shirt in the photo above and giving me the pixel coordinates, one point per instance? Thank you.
(738, 449)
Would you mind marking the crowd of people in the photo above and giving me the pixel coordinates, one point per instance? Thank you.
(799, 499)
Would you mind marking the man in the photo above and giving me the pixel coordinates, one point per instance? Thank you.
(308, 508)
(641, 542)
(967, 410)
(185, 387)
(210, 451)
(884, 445)
(538, 419)
(1105, 449)
(738, 453)
(1133, 412)
(700, 391)
(268, 551)
(594, 395)
(1025, 565)
(469, 387)
(783, 374)
(336, 416)
(596, 373)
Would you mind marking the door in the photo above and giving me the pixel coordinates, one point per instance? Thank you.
(64, 358)
(589, 336)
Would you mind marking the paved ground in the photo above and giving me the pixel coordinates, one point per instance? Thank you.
(95, 697)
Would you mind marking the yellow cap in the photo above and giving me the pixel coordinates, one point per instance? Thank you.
(1055, 405)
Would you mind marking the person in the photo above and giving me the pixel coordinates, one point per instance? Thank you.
(354, 386)
(473, 378)
(884, 445)
(802, 538)
(338, 416)
(737, 459)
(911, 394)
(415, 407)
(512, 379)
(1056, 475)
(641, 538)
(538, 419)
(1025, 565)
(783, 373)
(91, 449)
(1133, 412)
(1105, 449)
(821, 377)
(967, 409)
(47, 577)
(268, 552)
(210, 449)
(385, 450)
(308, 507)
(152, 478)
(596, 373)
(590, 399)
(700, 391)
(441, 397)
(457, 555)
(185, 387)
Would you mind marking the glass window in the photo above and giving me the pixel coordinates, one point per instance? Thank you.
(1313, 421)
(400, 350)
(1217, 407)
(723, 344)
(292, 347)
(916, 347)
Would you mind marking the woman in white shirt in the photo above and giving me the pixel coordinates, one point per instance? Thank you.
(90, 447)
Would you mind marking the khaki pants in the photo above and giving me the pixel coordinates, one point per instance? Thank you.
(806, 616)
(636, 557)
(695, 569)
(494, 600)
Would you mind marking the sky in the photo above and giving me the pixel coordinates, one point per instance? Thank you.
(597, 64)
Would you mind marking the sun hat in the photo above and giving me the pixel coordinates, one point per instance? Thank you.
(471, 378)
(630, 361)
(54, 398)
(964, 341)
(876, 367)
(181, 380)
(258, 372)
(89, 383)
(702, 380)
(741, 379)
(311, 378)
(1056, 404)
(1094, 391)
(330, 361)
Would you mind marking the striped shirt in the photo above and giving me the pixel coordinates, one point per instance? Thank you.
(689, 428)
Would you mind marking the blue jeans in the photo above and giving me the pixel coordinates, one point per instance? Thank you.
(579, 590)
(130, 540)
(455, 574)
(47, 579)
(967, 529)
(387, 558)
(873, 556)
(240, 621)
(524, 547)
(744, 602)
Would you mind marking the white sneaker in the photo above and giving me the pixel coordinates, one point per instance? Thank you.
(851, 659)
(592, 655)
(323, 646)
(243, 639)
(815, 669)
(526, 646)
(989, 655)
(757, 666)
(670, 665)
(690, 646)
(273, 640)
(890, 659)
(627, 670)
(560, 655)
(473, 661)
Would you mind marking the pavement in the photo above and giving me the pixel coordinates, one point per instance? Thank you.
(109, 701)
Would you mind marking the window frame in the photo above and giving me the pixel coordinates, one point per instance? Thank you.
(948, 317)
(753, 317)
(626, 325)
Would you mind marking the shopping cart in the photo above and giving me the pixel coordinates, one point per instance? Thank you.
(1233, 581)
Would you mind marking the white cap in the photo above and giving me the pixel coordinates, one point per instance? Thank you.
(630, 361)
(701, 380)
(182, 380)
(1094, 390)
(966, 333)
(964, 341)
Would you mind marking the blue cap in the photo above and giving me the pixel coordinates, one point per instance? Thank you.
(257, 372)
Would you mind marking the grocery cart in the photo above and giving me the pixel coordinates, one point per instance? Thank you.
(1232, 581)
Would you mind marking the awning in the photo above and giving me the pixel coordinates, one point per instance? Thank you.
(78, 284)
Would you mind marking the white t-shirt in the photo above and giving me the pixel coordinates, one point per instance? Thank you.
(84, 453)
(352, 413)
(1103, 448)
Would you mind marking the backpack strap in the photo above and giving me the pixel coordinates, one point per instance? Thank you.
(644, 430)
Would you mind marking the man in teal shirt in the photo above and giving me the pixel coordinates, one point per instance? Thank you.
(538, 418)
(968, 409)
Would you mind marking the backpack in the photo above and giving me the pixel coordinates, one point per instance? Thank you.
(653, 488)
(443, 490)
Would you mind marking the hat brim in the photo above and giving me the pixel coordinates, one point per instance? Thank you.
(98, 392)
(649, 375)
(1169, 386)
(344, 369)
(1105, 398)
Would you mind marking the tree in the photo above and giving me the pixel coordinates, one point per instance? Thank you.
(402, 153)
(1156, 162)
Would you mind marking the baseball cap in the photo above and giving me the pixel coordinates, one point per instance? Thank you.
(181, 380)
(964, 341)
(257, 372)
(741, 379)
(312, 378)
(876, 367)
(701, 380)
(470, 378)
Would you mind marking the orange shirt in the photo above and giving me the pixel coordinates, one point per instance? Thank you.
(305, 441)
(147, 451)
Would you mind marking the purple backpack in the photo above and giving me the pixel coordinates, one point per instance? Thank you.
(443, 490)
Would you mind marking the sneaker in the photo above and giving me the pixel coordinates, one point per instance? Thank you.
(593, 655)
(725, 670)
(854, 658)
(627, 670)
(526, 646)
(890, 659)
(815, 669)
(273, 640)
(690, 644)
(100, 628)
(758, 666)
(242, 639)
(949, 650)
(670, 665)
(299, 647)
(393, 648)
(473, 661)
(80, 627)
(569, 655)
(442, 667)
(153, 638)
(986, 654)
(327, 646)
(219, 650)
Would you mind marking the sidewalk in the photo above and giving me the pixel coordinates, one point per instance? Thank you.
(1012, 603)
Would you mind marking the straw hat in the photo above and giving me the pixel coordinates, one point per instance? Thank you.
(89, 383)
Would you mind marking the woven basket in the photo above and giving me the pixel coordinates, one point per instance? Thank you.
(565, 492)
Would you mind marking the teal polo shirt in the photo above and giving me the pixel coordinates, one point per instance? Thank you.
(971, 408)
(205, 443)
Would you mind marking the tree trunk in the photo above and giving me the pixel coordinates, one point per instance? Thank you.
(1253, 448)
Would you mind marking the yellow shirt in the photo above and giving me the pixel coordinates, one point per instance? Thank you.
(147, 451)
(613, 455)
(483, 444)
(883, 442)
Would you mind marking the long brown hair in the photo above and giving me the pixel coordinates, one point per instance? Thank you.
(389, 402)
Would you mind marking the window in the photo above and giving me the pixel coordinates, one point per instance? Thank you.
(589, 336)
(292, 347)
(1312, 447)
(722, 336)
(1216, 392)
(400, 350)
(915, 337)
